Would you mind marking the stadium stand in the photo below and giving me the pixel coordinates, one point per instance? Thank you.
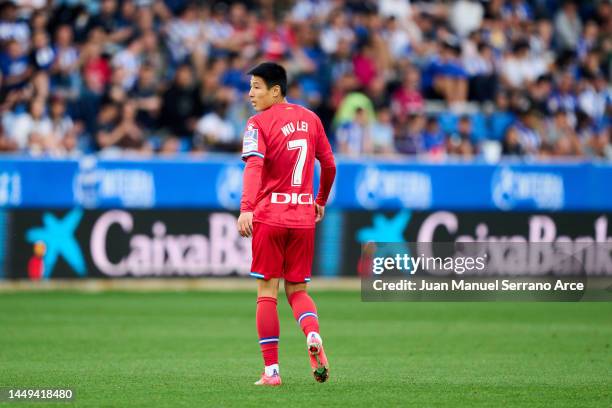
(388, 77)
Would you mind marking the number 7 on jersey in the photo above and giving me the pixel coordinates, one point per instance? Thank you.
(298, 169)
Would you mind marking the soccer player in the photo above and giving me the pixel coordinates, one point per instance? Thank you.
(278, 210)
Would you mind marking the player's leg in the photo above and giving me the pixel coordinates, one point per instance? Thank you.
(297, 270)
(304, 308)
(268, 329)
(305, 312)
(268, 246)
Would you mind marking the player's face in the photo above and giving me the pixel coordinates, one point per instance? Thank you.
(260, 95)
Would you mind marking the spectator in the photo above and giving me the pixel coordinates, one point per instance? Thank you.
(511, 145)
(517, 9)
(7, 144)
(12, 29)
(519, 68)
(96, 68)
(377, 92)
(214, 132)
(114, 29)
(568, 26)
(38, 16)
(128, 15)
(408, 99)
(145, 96)
(106, 120)
(116, 91)
(560, 136)
(563, 96)
(234, 75)
(595, 99)
(591, 64)
(450, 78)
(274, 39)
(354, 137)
(541, 39)
(145, 21)
(316, 10)
(434, 139)
(336, 32)
(585, 130)
(398, 38)
(42, 54)
(588, 40)
(461, 142)
(154, 56)
(364, 65)
(186, 36)
(410, 134)
(295, 94)
(127, 63)
(350, 105)
(211, 84)
(32, 129)
(526, 130)
(15, 68)
(309, 62)
(501, 118)
(481, 71)
(64, 71)
(243, 30)
(181, 106)
(220, 32)
(88, 103)
(598, 145)
(341, 64)
(125, 134)
(382, 133)
(540, 92)
(64, 132)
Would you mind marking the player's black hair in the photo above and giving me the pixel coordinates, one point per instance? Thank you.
(273, 74)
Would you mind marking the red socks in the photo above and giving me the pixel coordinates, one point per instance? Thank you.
(305, 311)
(268, 329)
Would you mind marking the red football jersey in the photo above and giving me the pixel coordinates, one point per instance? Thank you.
(288, 138)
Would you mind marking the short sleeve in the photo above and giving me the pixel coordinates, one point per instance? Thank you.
(253, 143)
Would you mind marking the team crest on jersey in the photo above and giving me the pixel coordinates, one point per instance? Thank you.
(250, 139)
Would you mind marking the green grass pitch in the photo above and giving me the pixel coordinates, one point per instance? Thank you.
(200, 349)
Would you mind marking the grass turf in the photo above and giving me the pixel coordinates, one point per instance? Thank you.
(200, 349)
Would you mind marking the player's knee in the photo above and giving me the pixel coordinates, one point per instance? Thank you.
(291, 288)
(267, 288)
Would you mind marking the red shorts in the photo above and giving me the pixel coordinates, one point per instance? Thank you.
(280, 252)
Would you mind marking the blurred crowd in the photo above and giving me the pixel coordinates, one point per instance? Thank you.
(434, 79)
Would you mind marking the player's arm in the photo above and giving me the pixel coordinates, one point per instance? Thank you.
(325, 157)
(251, 182)
(253, 151)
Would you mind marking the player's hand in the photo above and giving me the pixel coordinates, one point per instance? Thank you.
(319, 212)
(245, 224)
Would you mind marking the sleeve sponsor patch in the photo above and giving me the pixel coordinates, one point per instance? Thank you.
(249, 142)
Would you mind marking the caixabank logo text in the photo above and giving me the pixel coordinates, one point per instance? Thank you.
(119, 243)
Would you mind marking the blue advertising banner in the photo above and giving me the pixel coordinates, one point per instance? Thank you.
(215, 182)
(116, 243)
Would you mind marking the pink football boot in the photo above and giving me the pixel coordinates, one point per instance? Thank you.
(318, 360)
(270, 380)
